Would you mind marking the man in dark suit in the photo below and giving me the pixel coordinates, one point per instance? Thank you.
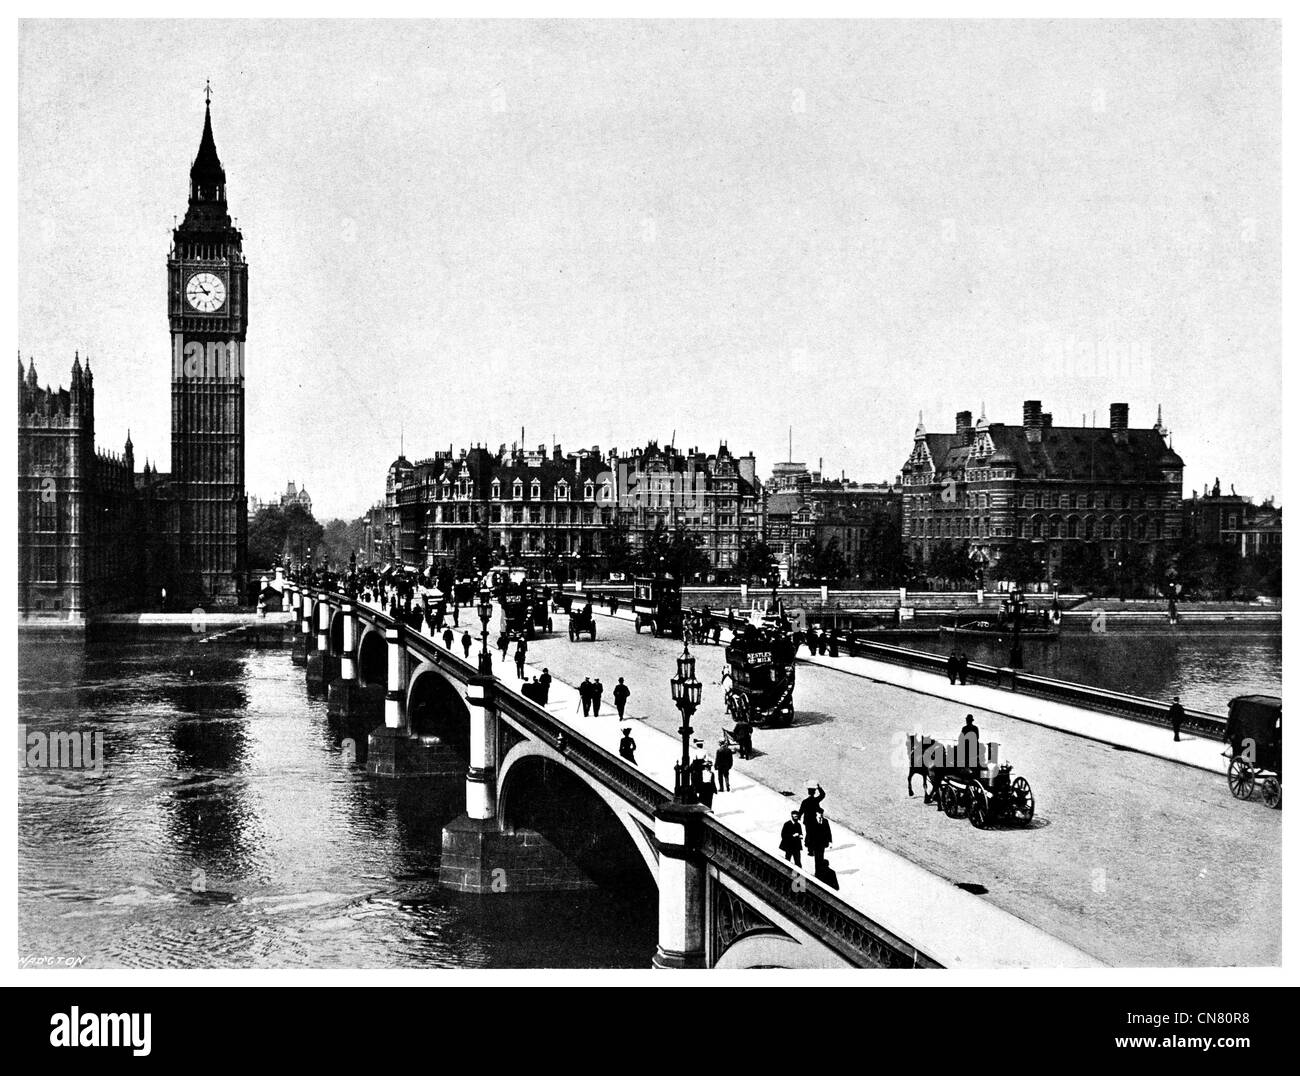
(1176, 715)
(792, 839)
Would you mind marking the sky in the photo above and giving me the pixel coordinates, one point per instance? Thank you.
(605, 233)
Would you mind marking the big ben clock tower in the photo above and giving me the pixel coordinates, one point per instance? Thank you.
(207, 309)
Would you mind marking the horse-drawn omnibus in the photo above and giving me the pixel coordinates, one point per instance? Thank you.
(657, 605)
(760, 665)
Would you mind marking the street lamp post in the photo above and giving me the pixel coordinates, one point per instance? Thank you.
(1017, 605)
(484, 615)
(686, 692)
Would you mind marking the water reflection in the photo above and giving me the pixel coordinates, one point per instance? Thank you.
(236, 773)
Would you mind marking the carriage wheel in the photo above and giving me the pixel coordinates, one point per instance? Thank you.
(1241, 778)
(1023, 800)
(1272, 792)
(948, 803)
(979, 812)
(573, 636)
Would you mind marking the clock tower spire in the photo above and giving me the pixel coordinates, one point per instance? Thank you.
(207, 309)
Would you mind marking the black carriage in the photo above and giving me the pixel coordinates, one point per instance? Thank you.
(581, 621)
(524, 610)
(1254, 733)
(760, 665)
(657, 605)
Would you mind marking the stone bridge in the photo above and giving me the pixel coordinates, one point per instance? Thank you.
(547, 809)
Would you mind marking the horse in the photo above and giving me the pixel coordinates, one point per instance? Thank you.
(916, 765)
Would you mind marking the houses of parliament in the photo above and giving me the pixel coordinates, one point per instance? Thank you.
(94, 533)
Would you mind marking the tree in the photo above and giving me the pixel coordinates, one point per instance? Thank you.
(1083, 569)
(266, 537)
(950, 561)
(1020, 563)
(616, 543)
(823, 560)
(755, 560)
(882, 559)
(302, 533)
(676, 552)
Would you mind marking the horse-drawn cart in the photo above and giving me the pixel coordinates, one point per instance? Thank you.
(969, 781)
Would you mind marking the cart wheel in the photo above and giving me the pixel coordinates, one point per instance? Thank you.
(1271, 789)
(573, 636)
(948, 802)
(1023, 798)
(637, 624)
(1241, 778)
(786, 719)
(979, 812)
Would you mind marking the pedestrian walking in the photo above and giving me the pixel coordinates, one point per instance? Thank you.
(455, 614)
(613, 604)
(584, 693)
(545, 681)
(621, 692)
(954, 664)
(466, 642)
(963, 666)
(627, 746)
(519, 661)
(743, 734)
(597, 690)
(722, 766)
(834, 643)
(448, 638)
(503, 644)
(792, 839)
(811, 803)
(813, 641)
(1176, 715)
(817, 837)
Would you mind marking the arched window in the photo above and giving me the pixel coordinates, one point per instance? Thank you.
(589, 490)
(562, 490)
(1141, 527)
(1125, 526)
(535, 490)
(1108, 527)
(1038, 526)
(518, 489)
(1055, 526)
(1089, 529)
(496, 489)
(1072, 527)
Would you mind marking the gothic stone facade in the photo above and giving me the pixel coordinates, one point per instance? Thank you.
(92, 532)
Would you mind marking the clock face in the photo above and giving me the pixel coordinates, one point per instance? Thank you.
(206, 292)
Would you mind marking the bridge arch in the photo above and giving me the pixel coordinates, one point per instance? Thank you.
(372, 658)
(536, 788)
(435, 706)
(336, 632)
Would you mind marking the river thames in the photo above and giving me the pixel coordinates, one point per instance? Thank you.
(228, 829)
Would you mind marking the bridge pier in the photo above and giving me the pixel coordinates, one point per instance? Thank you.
(344, 692)
(320, 664)
(682, 911)
(393, 750)
(302, 640)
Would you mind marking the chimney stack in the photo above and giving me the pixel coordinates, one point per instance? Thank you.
(965, 432)
(1033, 420)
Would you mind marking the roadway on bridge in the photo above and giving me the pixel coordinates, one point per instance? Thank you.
(1133, 859)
